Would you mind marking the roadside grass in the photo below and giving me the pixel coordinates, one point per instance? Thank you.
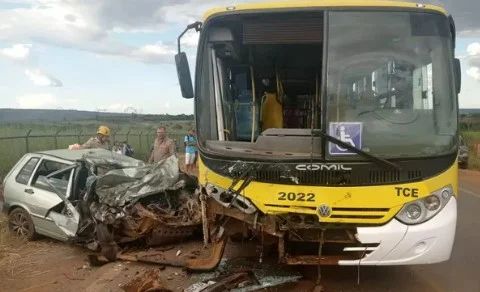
(7, 240)
(17, 256)
(472, 138)
(473, 162)
(12, 150)
(4, 235)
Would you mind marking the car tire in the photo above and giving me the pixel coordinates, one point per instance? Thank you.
(20, 223)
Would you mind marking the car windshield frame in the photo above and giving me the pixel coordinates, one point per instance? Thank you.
(67, 166)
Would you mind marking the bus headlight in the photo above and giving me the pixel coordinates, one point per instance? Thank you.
(423, 209)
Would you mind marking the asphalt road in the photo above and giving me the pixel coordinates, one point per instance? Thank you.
(460, 273)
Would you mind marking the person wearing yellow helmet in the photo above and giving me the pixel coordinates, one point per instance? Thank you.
(101, 140)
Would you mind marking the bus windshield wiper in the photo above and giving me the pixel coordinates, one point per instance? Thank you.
(334, 140)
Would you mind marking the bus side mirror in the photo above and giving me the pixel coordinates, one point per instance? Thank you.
(458, 74)
(183, 72)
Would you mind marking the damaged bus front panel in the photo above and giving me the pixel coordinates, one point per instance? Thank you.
(332, 130)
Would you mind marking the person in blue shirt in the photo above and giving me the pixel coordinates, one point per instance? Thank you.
(190, 143)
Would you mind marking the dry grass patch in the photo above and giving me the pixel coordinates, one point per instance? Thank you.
(4, 235)
(7, 240)
(15, 262)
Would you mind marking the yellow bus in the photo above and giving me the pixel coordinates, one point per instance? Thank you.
(328, 128)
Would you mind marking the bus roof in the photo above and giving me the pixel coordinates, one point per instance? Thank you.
(323, 4)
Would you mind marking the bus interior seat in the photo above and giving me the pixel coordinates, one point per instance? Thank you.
(272, 112)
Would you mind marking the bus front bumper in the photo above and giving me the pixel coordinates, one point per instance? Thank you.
(399, 244)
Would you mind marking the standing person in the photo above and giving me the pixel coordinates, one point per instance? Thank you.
(190, 143)
(101, 140)
(163, 147)
(196, 150)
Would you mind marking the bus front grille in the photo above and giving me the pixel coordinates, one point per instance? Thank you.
(301, 217)
(337, 177)
(359, 213)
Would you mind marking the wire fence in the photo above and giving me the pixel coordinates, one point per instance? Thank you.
(12, 148)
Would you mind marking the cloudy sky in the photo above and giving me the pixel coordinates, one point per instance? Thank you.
(117, 55)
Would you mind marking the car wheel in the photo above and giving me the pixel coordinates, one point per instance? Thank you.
(20, 223)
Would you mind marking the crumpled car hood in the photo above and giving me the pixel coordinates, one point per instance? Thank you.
(118, 187)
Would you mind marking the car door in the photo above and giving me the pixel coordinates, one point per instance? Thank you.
(48, 188)
(17, 183)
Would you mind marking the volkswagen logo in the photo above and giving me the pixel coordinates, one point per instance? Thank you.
(324, 210)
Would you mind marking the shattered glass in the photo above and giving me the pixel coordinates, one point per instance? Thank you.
(264, 276)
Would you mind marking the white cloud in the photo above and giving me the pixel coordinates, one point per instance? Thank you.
(190, 39)
(45, 101)
(42, 100)
(91, 25)
(17, 52)
(474, 72)
(21, 54)
(473, 49)
(156, 53)
(5, 26)
(40, 78)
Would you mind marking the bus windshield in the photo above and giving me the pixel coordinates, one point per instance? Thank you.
(264, 82)
(389, 74)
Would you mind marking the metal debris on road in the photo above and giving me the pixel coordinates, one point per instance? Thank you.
(149, 281)
(244, 275)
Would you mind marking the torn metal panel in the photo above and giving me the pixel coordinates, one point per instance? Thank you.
(106, 214)
(67, 223)
(317, 260)
(160, 222)
(139, 223)
(230, 282)
(211, 262)
(121, 186)
(111, 160)
(150, 281)
(163, 234)
(69, 220)
(258, 277)
(200, 286)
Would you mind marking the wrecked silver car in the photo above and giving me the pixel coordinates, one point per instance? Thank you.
(100, 199)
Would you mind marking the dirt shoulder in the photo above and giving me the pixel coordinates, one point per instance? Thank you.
(469, 178)
(49, 265)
